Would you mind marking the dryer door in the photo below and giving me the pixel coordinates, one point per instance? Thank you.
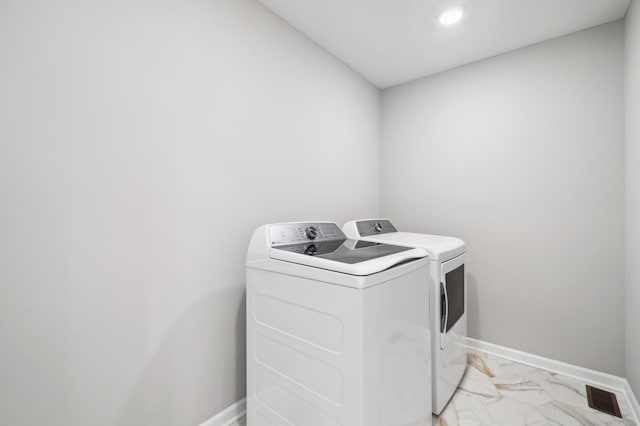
(453, 289)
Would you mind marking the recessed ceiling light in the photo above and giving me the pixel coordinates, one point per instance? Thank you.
(451, 15)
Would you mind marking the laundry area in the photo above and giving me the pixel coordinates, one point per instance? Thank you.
(319, 212)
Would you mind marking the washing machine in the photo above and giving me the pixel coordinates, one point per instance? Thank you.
(448, 291)
(337, 329)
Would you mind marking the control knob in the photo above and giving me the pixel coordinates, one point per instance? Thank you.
(311, 232)
(378, 227)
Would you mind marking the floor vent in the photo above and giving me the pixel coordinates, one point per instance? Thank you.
(603, 400)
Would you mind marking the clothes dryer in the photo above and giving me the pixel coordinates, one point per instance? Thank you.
(337, 329)
(448, 291)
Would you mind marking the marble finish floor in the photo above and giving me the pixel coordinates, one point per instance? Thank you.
(498, 392)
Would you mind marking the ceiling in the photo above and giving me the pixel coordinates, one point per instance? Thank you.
(394, 41)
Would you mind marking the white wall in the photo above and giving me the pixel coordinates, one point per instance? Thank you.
(632, 155)
(522, 156)
(141, 142)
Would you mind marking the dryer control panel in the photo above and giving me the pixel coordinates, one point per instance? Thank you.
(296, 233)
(375, 227)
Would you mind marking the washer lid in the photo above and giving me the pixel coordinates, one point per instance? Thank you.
(353, 257)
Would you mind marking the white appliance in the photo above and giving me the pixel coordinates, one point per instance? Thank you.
(448, 290)
(337, 329)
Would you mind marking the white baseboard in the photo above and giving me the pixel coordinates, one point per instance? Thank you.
(592, 376)
(234, 413)
(635, 407)
(600, 379)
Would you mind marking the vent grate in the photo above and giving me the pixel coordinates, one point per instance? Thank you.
(602, 400)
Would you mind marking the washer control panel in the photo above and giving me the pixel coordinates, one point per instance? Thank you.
(303, 232)
(374, 227)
